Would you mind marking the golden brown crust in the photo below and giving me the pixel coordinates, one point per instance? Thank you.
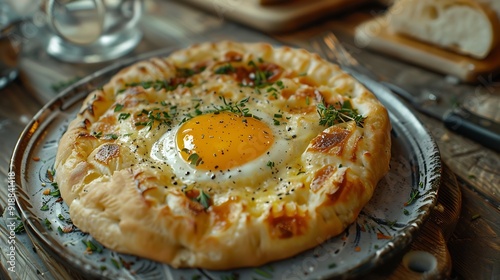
(123, 191)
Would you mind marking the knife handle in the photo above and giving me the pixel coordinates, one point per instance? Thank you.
(484, 131)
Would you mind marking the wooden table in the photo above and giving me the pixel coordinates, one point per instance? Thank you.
(471, 176)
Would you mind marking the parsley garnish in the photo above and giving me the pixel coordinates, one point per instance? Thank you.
(159, 84)
(48, 224)
(225, 69)
(203, 199)
(118, 107)
(55, 193)
(194, 159)
(112, 136)
(329, 115)
(19, 228)
(91, 246)
(270, 164)
(188, 72)
(263, 273)
(123, 116)
(44, 207)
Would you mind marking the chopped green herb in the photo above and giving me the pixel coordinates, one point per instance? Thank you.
(252, 63)
(237, 108)
(116, 263)
(60, 217)
(406, 212)
(270, 164)
(273, 89)
(44, 207)
(112, 136)
(203, 199)
(157, 85)
(185, 72)
(19, 228)
(91, 246)
(414, 195)
(276, 122)
(118, 107)
(225, 69)
(194, 159)
(48, 224)
(158, 116)
(123, 116)
(280, 84)
(332, 265)
(263, 273)
(55, 193)
(475, 217)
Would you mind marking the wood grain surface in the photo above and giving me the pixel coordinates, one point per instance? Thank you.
(287, 16)
(473, 245)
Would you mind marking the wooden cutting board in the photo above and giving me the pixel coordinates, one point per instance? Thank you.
(285, 16)
(375, 35)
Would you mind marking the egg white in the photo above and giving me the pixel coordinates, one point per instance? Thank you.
(249, 173)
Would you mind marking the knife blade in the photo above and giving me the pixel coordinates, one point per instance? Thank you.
(459, 120)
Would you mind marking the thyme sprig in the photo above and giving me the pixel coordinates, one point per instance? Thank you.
(238, 107)
(330, 115)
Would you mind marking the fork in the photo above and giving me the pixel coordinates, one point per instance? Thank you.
(334, 51)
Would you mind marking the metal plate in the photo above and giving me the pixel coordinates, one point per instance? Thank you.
(385, 226)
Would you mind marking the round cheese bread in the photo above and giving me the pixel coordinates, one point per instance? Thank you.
(223, 155)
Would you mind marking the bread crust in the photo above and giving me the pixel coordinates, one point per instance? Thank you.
(132, 203)
(462, 26)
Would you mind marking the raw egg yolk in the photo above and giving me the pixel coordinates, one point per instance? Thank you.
(222, 141)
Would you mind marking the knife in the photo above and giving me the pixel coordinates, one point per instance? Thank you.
(459, 120)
